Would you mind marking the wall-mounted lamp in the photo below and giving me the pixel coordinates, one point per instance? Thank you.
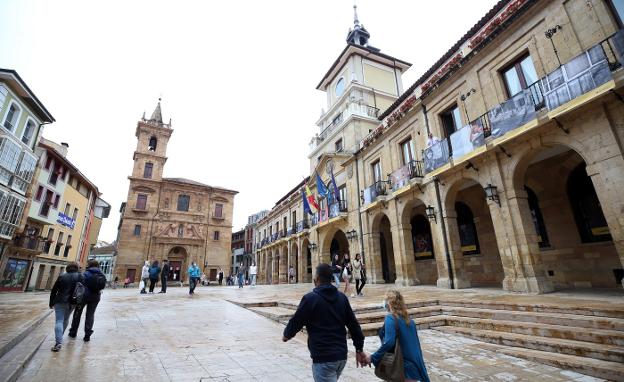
(491, 192)
(549, 35)
(431, 215)
(312, 247)
(351, 234)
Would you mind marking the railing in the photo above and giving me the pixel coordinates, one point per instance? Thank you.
(372, 192)
(336, 208)
(314, 220)
(30, 243)
(301, 225)
(335, 122)
(371, 111)
(350, 109)
(402, 176)
(436, 155)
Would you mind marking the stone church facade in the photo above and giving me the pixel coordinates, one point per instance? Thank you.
(170, 218)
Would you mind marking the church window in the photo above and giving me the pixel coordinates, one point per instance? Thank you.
(147, 171)
(216, 235)
(151, 146)
(141, 202)
(218, 210)
(137, 230)
(183, 202)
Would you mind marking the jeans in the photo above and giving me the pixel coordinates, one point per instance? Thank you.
(253, 280)
(62, 311)
(328, 371)
(337, 279)
(89, 318)
(192, 284)
(359, 285)
(145, 280)
(241, 278)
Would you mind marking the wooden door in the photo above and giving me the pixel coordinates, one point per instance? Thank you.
(213, 275)
(130, 274)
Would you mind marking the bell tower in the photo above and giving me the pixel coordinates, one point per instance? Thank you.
(151, 151)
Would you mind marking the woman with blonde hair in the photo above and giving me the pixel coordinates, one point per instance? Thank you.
(398, 319)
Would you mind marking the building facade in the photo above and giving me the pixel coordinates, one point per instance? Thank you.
(500, 166)
(22, 118)
(171, 218)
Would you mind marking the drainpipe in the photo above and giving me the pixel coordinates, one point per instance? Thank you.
(357, 180)
(449, 265)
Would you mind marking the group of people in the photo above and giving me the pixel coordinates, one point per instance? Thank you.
(239, 277)
(73, 292)
(152, 273)
(325, 312)
(346, 270)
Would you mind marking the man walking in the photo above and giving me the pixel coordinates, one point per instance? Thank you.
(145, 276)
(95, 281)
(61, 300)
(220, 276)
(194, 274)
(325, 312)
(241, 275)
(253, 271)
(163, 276)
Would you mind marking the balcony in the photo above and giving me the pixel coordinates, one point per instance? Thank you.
(302, 225)
(30, 243)
(401, 177)
(352, 109)
(372, 193)
(584, 73)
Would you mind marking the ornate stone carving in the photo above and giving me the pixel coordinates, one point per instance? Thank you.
(350, 171)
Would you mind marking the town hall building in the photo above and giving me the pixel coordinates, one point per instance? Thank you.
(177, 219)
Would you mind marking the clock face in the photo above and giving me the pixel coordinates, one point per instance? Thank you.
(340, 87)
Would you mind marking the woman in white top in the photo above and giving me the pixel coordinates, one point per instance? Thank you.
(253, 271)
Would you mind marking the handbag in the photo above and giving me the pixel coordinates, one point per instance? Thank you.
(142, 285)
(390, 367)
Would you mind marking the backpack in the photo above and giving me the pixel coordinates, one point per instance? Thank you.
(96, 282)
(78, 296)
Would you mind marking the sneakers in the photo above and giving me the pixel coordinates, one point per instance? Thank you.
(71, 335)
(56, 347)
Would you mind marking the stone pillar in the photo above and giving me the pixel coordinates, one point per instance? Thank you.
(283, 265)
(289, 260)
(373, 259)
(460, 279)
(404, 256)
(608, 179)
(513, 225)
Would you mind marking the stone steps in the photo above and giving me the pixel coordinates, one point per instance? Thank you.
(14, 360)
(547, 344)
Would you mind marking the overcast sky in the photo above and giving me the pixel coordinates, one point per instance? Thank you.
(238, 79)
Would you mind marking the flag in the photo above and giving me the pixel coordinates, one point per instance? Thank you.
(306, 205)
(311, 201)
(333, 182)
(321, 188)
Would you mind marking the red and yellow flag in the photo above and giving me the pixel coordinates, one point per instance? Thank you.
(311, 200)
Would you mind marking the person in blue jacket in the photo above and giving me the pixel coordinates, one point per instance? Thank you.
(94, 281)
(413, 362)
(194, 275)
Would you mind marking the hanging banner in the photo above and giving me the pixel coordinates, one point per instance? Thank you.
(466, 139)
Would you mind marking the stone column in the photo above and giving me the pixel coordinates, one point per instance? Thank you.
(289, 261)
(404, 261)
(460, 279)
(283, 265)
(373, 259)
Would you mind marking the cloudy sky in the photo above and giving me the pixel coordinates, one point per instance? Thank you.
(237, 78)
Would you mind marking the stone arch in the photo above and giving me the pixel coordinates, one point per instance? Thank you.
(178, 258)
(294, 260)
(383, 257)
(306, 260)
(334, 240)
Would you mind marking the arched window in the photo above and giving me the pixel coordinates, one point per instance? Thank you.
(467, 229)
(421, 238)
(538, 219)
(590, 220)
(151, 146)
(183, 202)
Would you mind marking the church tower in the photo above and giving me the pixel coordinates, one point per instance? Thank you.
(150, 155)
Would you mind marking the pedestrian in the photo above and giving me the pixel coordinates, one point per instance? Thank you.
(346, 272)
(325, 312)
(241, 275)
(220, 276)
(126, 282)
(163, 276)
(253, 271)
(95, 282)
(358, 275)
(115, 282)
(61, 297)
(145, 271)
(194, 274)
(398, 319)
(291, 274)
(154, 272)
(336, 269)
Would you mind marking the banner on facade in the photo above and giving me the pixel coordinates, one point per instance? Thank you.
(65, 220)
(512, 113)
(436, 155)
(400, 178)
(466, 139)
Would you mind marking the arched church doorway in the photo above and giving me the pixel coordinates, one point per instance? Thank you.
(178, 258)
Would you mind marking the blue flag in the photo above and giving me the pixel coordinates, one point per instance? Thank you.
(333, 181)
(306, 205)
(321, 188)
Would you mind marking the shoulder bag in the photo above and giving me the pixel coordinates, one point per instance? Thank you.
(390, 368)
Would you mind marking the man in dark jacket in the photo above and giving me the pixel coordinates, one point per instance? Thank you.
(325, 312)
(61, 301)
(163, 276)
(93, 278)
(154, 272)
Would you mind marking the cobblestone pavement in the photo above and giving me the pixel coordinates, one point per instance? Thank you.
(175, 337)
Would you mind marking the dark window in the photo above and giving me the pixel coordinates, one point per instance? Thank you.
(28, 132)
(137, 230)
(538, 219)
(48, 162)
(11, 118)
(151, 146)
(218, 210)
(183, 202)
(519, 75)
(54, 175)
(407, 151)
(339, 146)
(59, 244)
(421, 238)
(67, 246)
(590, 220)
(47, 203)
(49, 238)
(451, 120)
(39, 193)
(467, 229)
(376, 168)
(57, 199)
(75, 214)
(216, 235)
(147, 170)
(141, 203)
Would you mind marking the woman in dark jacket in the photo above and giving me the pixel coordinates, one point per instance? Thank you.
(61, 301)
(154, 272)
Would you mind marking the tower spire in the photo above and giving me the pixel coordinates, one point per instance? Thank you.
(358, 35)
(356, 22)
(157, 114)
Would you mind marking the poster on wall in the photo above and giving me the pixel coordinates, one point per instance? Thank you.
(400, 178)
(466, 139)
(468, 239)
(436, 155)
(512, 113)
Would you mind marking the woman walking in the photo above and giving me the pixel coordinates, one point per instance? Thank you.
(61, 298)
(397, 318)
(154, 272)
(145, 276)
(346, 272)
(358, 275)
(336, 270)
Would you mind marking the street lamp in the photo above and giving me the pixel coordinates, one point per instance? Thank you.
(549, 35)
(430, 212)
(491, 193)
(312, 247)
(352, 234)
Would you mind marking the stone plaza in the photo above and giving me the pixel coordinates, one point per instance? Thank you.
(211, 336)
